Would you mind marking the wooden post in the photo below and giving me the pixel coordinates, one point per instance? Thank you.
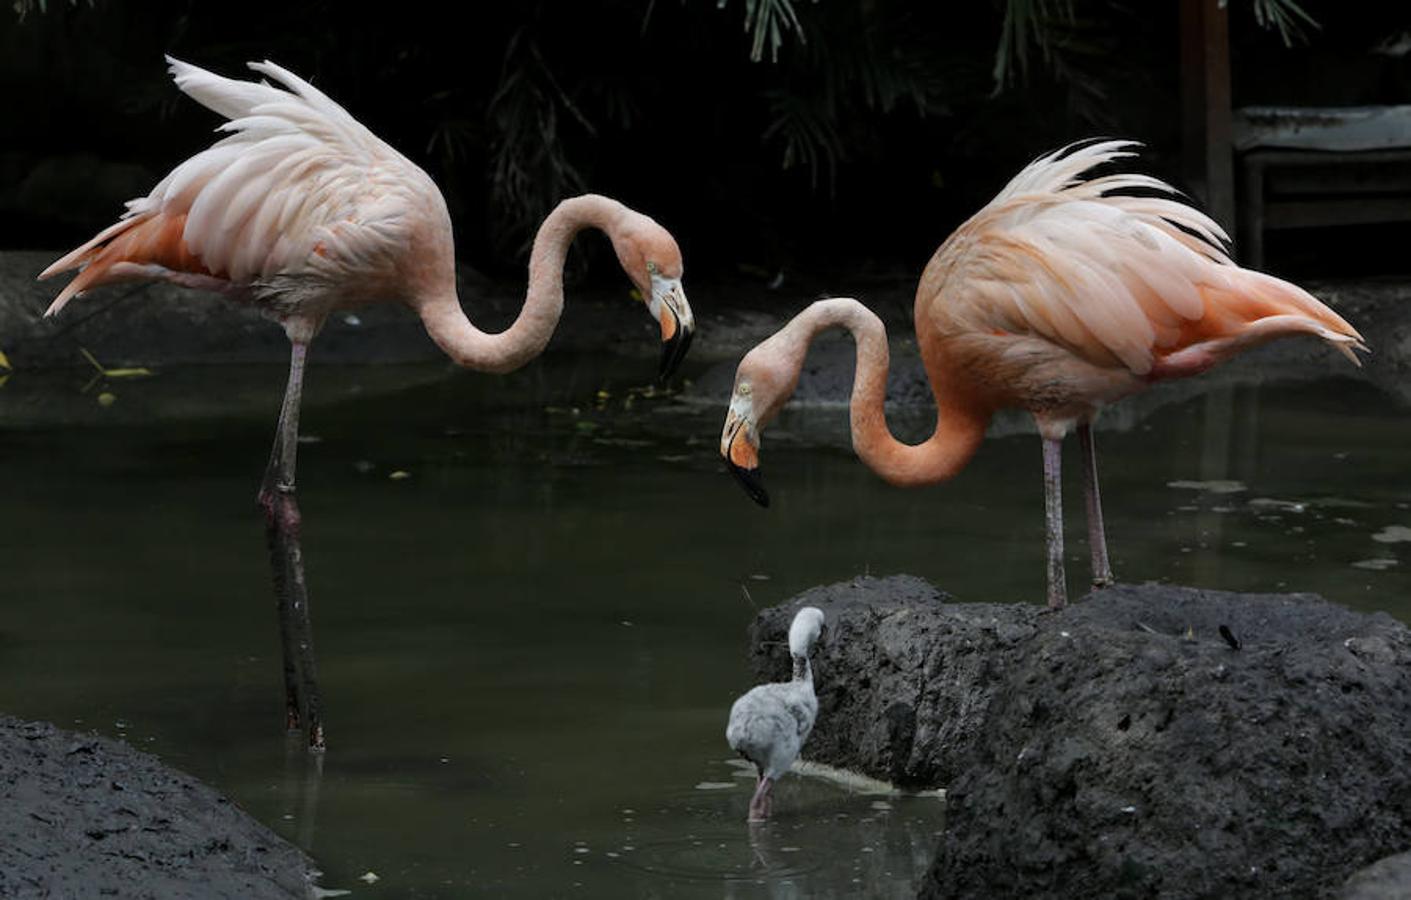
(1205, 106)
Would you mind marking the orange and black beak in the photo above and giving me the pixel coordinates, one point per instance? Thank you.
(675, 341)
(677, 324)
(742, 457)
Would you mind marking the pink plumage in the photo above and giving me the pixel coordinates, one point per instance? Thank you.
(300, 210)
(1061, 295)
(298, 189)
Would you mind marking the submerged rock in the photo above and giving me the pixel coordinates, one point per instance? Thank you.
(1125, 746)
(86, 816)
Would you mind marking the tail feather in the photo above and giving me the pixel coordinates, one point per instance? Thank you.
(143, 243)
(80, 256)
(1286, 303)
(1271, 327)
(279, 133)
(1251, 309)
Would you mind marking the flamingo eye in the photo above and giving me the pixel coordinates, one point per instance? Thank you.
(744, 390)
(651, 267)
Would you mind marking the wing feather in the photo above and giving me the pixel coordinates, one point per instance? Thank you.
(226, 96)
(1110, 277)
(295, 186)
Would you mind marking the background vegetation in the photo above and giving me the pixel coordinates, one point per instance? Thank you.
(768, 134)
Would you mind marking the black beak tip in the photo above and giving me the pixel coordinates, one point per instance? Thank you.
(749, 480)
(673, 351)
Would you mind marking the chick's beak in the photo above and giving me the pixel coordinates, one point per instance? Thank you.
(742, 457)
(677, 324)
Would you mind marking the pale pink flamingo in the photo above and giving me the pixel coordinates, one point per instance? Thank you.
(1058, 297)
(301, 211)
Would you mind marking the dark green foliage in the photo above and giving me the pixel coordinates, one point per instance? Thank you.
(1285, 16)
(529, 166)
(864, 57)
(769, 20)
(1036, 23)
(870, 126)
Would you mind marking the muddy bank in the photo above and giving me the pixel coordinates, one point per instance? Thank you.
(1123, 747)
(87, 816)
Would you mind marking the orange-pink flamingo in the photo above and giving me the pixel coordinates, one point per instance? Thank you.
(300, 211)
(1063, 294)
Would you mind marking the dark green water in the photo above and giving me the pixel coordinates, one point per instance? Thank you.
(529, 644)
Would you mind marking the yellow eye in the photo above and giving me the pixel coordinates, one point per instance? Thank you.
(744, 390)
(651, 267)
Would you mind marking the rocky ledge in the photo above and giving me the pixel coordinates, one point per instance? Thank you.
(1146, 741)
(86, 816)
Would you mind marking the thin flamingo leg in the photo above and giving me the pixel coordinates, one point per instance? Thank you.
(1053, 519)
(282, 532)
(1097, 534)
(759, 803)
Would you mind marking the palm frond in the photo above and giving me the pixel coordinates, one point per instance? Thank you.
(864, 63)
(807, 127)
(530, 169)
(1285, 16)
(769, 20)
(1028, 24)
(884, 69)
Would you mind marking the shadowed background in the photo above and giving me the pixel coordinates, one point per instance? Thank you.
(859, 137)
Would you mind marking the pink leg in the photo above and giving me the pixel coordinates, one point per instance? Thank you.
(760, 802)
(1097, 535)
(282, 532)
(1053, 520)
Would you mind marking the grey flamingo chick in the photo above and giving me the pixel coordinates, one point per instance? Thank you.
(769, 724)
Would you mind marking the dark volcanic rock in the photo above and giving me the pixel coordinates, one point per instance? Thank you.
(1123, 747)
(1121, 761)
(85, 816)
(904, 679)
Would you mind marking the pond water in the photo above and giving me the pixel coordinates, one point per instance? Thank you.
(531, 596)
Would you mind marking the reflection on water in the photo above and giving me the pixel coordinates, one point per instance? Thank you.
(531, 596)
(824, 841)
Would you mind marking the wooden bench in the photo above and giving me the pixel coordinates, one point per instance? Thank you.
(1311, 168)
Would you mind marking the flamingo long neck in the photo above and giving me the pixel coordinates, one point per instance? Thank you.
(960, 426)
(506, 351)
(802, 670)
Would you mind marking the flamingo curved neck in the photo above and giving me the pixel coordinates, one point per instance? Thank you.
(468, 346)
(959, 426)
(802, 670)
